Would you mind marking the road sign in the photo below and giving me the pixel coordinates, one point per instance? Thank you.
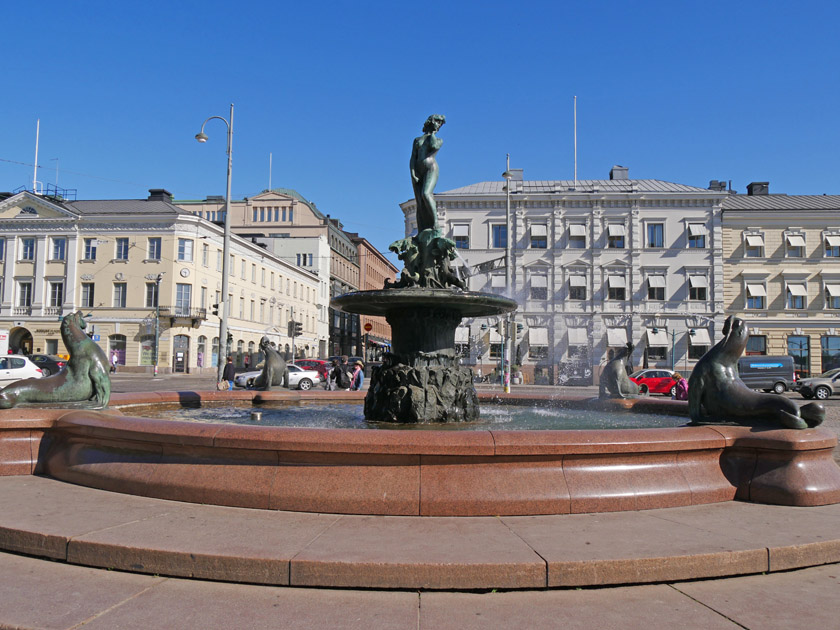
(96, 337)
(368, 327)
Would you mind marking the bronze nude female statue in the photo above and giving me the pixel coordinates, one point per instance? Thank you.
(424, 172)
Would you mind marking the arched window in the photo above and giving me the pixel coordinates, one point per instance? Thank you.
(201, 351)
(215, 351)
(240, 352)
(116, 343)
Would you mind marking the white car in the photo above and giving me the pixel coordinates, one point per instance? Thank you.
(298, 378)
(14, 367)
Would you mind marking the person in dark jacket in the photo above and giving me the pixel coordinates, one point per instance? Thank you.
(341, 374)
(229, 373)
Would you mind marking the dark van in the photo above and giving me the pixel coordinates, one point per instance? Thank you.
(771, 374)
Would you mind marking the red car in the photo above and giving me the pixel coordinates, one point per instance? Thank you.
(322, 367)
(655, 381)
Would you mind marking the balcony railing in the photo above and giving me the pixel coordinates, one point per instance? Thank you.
(22, 310)
(196, 314)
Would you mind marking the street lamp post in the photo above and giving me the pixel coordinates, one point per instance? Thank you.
(157, 319)
(508, 279)
(223, 324)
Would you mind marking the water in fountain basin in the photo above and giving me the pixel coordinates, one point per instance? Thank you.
(350, 416)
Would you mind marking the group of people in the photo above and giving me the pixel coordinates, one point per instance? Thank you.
(342, 376)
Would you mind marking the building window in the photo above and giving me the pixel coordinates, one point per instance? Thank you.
(495, 351)
(538, 343)
(830, 346)
(539, 287)
(657, 353)
(577, 287)
(183, 298)
(205, 255)
(797, 295)
(121, 249)
(25, 294)
(832, 296)
(794, 245)
(655, 235)
(699, 342)
(2, 248)
(243, 270)
(696, 236)
(27, 249)
(499, 235)
(616, 288)
(185, 250)
(253, 273)
(87, 295)
(698, 287)
(577, 236)
(799, 347)
(696, 352)
(254, 219)
(461, 236)
(756, 345)
(615, 236)
(832, 246)
(656, 287)
(56, 294)
(756, 296)
(754, 246)
(291, 215)
(90, 249)
(153, 251)
(120, 292)
(539, 236)
(59, 248)
(151, 295)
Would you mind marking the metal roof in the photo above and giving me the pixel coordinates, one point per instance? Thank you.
(564, 186)
(782, 202)
(124, 206)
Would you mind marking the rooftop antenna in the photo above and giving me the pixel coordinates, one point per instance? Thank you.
(35, 172)
(269, 171)
(575, 133)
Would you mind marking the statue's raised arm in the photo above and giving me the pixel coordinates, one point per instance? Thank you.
(424, 172)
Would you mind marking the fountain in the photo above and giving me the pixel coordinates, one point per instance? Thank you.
(435, 472)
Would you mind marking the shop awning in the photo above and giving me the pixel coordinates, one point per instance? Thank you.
(462, 334)
(616, 229)
(696, 229)
(700, 337)
(656, 280)
(617, 282)
(658, 339)
(832, 240)
(698, 282)
(616, 337)
(833, 289)
(578, 337)
(539, 280)
(577, 229)
(795, 240)
(539, 229)
(796, 288)
(495, 337)
(755, 240)
(538, 336)
(756, 290)
(577, 281)
(460, 230)
(497, 281)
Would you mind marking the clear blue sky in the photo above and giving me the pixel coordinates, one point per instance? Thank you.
(685, 92)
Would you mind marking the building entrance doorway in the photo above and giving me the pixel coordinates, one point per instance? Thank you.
(181, 354)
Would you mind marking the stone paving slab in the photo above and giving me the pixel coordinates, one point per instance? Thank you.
(38, 593)
(44, 517)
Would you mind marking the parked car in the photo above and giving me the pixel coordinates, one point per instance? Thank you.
(820, 387)
(655, 381)
(298, 378)
(768, 373)
(14, 367)
(49, 363)
(320, 366)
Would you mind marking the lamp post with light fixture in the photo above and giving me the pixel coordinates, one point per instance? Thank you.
(225, 313)
(506, 354)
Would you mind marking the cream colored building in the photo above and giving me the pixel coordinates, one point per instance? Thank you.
(781, 260)
(138, 267)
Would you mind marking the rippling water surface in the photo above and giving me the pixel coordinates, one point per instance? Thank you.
(350, 416)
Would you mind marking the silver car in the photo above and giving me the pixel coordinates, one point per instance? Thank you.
(820, 387)
(298, 378)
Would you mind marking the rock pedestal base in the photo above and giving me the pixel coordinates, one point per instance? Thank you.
(401, 393)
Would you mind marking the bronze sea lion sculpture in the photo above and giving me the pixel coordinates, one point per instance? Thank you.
(717, 395)
(84, 378)
(614, 381)
(274, 368)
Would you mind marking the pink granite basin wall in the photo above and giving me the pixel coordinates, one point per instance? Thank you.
(399, 472)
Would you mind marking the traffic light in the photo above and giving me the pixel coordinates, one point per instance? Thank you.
(291, 329)
(519, 329)
(214, 309)
(500, 327)
(298, 329)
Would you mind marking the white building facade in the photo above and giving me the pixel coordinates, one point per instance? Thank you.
(595, 264)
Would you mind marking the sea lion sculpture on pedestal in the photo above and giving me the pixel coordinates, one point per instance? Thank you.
(716, 395)
(83, 379)
(614, 380)
(274, 371)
